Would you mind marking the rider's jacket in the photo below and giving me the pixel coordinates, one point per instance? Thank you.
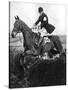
(44, 23)
(43, 19)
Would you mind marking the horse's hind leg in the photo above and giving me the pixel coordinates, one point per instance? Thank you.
(57, 43)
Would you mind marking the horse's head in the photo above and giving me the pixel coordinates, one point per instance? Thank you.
(16, 28)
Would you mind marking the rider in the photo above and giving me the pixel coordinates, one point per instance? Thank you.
(42, 18)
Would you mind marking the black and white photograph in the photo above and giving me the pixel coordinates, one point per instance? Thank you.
(37, 44)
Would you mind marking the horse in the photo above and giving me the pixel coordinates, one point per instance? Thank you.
(30, 39)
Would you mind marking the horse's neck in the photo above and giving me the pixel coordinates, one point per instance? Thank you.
(26, 27)
(26, 35)
(23, 33)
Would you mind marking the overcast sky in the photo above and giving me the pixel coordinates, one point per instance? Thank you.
(28, 12)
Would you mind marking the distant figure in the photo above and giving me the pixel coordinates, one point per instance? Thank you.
(43, 18)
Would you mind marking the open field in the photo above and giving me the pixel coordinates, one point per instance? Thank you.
(16, 41)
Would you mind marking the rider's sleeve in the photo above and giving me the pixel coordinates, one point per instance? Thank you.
(37, 21)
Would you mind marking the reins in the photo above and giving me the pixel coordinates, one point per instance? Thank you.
(20, 38)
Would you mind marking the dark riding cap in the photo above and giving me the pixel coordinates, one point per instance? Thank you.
(40, 9)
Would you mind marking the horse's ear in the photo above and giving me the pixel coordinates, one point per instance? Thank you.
(15, 18)
(18, 17)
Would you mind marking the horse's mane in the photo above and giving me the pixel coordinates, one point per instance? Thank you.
(25, 27)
